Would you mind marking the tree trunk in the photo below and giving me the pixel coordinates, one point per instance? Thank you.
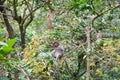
(22, 35)
(8, 26)
(50, 19)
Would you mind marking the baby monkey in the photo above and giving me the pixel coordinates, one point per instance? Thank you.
(58, 51)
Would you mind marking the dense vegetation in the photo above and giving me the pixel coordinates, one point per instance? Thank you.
(89, 30)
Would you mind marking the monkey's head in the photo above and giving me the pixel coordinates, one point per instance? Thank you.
(56, 44)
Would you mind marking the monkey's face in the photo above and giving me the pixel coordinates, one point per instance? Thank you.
(55, 44)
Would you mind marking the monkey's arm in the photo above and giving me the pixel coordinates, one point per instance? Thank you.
(53, 53)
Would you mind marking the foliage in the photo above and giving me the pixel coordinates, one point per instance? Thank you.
(5, 50)
(107, 59)
(41, 64)
(70, 19)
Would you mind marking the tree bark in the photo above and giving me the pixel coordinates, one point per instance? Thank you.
(50, 18)
(22, 35)
(6, 21)
(8, 26)
(1, 5)
(88, 53)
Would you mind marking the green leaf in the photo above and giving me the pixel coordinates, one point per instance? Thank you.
(6, 50)
(11, 42)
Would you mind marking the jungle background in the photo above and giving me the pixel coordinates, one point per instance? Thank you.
(89, 30)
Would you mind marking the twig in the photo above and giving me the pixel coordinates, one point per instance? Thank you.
(32, 12)
(69, 70)
(5, 14)
(76, 48)
(24, 12)
(22, 70)
(84, 49)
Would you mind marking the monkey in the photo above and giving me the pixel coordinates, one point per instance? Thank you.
(58, 51)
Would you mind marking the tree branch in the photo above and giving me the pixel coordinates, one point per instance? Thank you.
(69, 70)
(14, 9)
(81, 44)
(88, 53)
(28, 5)
(31, 15)
(27, 16)
(27, 23)
(24, 13)
(24, 72)
(102, 13)
(5, 14)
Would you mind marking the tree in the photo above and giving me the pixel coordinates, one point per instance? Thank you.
(6, 20)
(23, 16)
